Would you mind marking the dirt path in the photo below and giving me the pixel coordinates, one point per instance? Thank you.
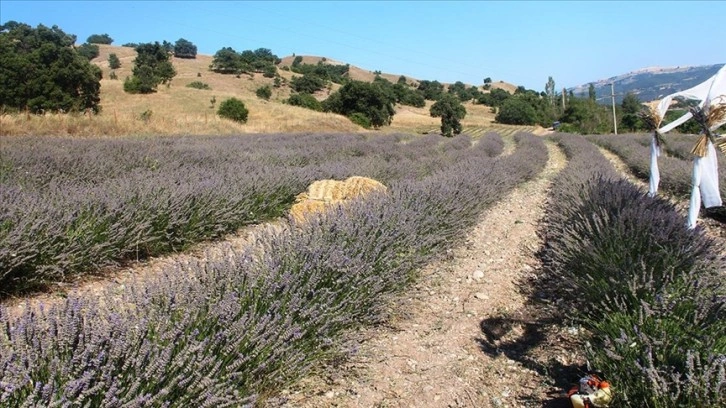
(459, 338)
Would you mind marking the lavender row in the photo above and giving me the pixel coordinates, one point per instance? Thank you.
(648, 289)
(231, 331)
(71, 206)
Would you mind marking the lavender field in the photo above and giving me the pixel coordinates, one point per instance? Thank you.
(234, 330)
(227, 332)
(74, 205)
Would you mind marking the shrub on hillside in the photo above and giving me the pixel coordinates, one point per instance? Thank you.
(233, 109)
(360, 119)
(264, 92)
(199, 85)
(305, 100)
(113, 61)
(308, 83)
(151, 68)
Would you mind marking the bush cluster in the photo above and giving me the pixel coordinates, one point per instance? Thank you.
(199, 85)
(233, 109)
(645, 286)
(228, 331)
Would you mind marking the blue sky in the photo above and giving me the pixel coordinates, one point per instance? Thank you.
(515, 41)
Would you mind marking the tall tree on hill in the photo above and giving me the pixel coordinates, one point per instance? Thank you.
(362, 98)
(151, 68)
(631, 108)
(550, 91)
(185, 49)
(41, 71)
(591, 92)
(451, 111)
(99, 39)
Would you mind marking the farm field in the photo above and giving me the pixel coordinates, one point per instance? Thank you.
(487, 223)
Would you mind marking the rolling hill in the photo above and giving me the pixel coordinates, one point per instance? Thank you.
(651, 83)
(178, 109)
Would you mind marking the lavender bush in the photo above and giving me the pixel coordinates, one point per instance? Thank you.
(231, 331)
(647, 288)
(71, 206)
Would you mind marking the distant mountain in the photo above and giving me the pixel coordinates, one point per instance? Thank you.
(651, 83)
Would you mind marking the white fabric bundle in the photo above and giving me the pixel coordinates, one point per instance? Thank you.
(710, 93)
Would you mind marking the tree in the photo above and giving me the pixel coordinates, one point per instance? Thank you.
(113, 61)
(99, 39)
(308, 83)
(431, 90)
(226, 61)
(516, 111)
(487, 80)
(631, 108)
(495, 98)
(90, 51)
(234, 109)
(185, 49)
(305, 101)
(264, 92)
(41, 71)
(550, 91)
(368, 99)
(591, 92)
(151, 68)
(451, 111)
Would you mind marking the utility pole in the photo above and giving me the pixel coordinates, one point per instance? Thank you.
(615, 121)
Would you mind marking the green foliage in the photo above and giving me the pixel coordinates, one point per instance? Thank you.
(41, 71)
(113, 75)
(130, 45)
(233, 109)
(402, 80)
(632, 107)
(517, 111)
(451, 111)
(151, 68)
(305, 100)
(113, 61)
(90, 51)
(689, 127)
(369, 99)
(550, 91)
(99, 39)
(587, 116)
(487, 80)
(591, 92)
(327, 72)
(495, 98)
(431, 90)
(360, 120)
(229, 61)
(308, 83)
(185, 49)
(198, 85)
(264, 92)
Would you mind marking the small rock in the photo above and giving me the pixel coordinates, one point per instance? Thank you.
(329, 394)
(477, 275)
(481, 296)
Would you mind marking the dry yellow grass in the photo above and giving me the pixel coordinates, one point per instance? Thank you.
(180, 110)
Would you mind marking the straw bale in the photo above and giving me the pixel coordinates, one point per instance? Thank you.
(323, 193)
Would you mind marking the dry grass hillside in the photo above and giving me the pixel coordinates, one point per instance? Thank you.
(178, 109)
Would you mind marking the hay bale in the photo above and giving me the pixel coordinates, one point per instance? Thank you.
(323, 193)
